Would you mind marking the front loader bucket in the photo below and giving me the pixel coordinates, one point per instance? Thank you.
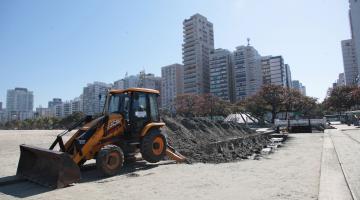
(46, 167)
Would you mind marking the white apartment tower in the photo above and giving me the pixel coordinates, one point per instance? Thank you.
(221, 74)
(19, 99)
(131, 81)
(94, 97)
(172, 85)
(341, 80)
(76, 104)
(351, 47)
(66, 109)
(274, 70)
(354, 15)
(350, 62)
(43, 112)
(247, 72)
(19, 104)
(119, 84)
(149, 81)
(197, 45)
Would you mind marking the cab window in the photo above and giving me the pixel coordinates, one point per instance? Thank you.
(125, 105)
(120, 104)
(139, 105)
(154, 112)
(114, 104)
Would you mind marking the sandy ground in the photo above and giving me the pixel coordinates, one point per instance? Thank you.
(292, 172)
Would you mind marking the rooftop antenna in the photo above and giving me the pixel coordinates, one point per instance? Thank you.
(248, 41)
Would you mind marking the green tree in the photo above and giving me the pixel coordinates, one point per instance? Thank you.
(341, 98)
(273, 96)
(186, 104)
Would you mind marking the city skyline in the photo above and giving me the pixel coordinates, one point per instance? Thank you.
(68, 77)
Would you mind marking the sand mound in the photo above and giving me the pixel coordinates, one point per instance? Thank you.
(202, 140)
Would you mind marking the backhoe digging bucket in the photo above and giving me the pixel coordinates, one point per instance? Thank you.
(175, 155)
(46, 167)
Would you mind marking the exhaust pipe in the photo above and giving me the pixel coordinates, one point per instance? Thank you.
(49, 168)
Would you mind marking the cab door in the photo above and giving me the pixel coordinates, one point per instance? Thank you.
(139, 115)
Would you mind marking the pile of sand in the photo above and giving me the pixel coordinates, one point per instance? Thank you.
(203, 140)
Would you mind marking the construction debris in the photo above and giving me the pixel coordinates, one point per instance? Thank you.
(203, 140)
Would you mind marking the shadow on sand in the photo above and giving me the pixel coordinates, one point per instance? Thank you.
(21, 188)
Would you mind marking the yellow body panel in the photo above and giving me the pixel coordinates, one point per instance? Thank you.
(115, 127)
(148, 126)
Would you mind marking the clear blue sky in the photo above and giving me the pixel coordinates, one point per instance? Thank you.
(55, 48)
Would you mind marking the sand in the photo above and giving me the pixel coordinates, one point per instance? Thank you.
(292, 172)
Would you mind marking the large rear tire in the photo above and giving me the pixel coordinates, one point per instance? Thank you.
(110, 160)
(153, 146)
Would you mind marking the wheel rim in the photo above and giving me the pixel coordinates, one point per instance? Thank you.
(158, 145)
(113, 160)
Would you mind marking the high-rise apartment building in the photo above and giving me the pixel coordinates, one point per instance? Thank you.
(94, 95)
(341, 80)
(354, 15)
(303, 90)
(297, 85)
(351, 47)
(55, 107)
(196, 48)
(66, 109)
(58, 110)
(3, 116)
(288, 76)
(2, 113)
(172, 85)
(149, 81)
(19, 104)
(350, 62)
(43, 112)
(77, 105)
(19, 99)
(131, 81)
(274, 70)
(119, 84)
(222, 74)
(54, 102)
(247, 72)
(144, 80)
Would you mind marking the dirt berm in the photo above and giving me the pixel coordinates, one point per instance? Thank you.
(203, 140)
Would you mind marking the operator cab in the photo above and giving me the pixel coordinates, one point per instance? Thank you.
(138, 107)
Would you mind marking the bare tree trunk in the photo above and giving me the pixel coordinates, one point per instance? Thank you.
(273, 113)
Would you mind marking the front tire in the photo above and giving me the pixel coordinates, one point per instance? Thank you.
(153, 146)
(110, 160)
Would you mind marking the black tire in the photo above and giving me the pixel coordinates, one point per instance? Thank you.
(153, 146)
(110, 160)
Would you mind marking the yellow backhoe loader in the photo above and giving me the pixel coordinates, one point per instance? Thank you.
(129, 124)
